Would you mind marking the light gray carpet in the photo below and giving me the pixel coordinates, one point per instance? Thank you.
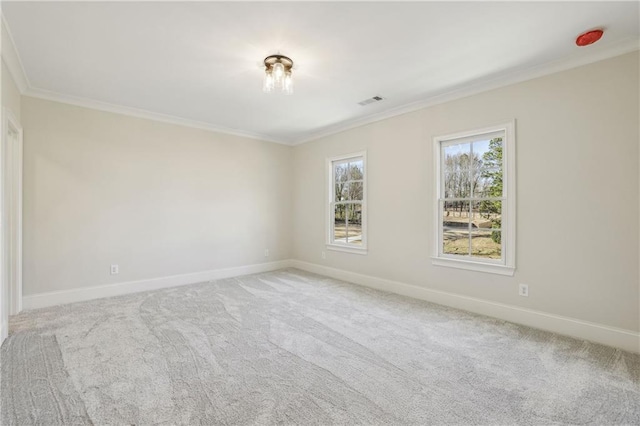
(290, 347)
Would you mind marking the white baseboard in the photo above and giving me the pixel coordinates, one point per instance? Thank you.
(53, 298)
(610, 336)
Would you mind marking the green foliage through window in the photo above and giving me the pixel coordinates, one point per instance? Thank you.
(472, 181)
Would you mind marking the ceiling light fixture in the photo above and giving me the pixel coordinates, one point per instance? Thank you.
(277, 74)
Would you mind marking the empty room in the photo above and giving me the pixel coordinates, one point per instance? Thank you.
(320, 213)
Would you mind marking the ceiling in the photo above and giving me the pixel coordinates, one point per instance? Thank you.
(200, 62)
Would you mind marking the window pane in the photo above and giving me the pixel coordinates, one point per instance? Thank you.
(356, 191)
(339, 224)
(489, 153)
(340, 172)
(341, 191)
(488, 183)
(471, 197)
(356, 170)
(480, 148)
(455, 241)
(455, 214)
(488, 176)
(458, 160)
(348, 190)
(452, 151)
(486, 244)
(457, 185)
(491, 212)
(354, 216)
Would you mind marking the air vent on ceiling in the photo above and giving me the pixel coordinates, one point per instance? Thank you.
(370, 101)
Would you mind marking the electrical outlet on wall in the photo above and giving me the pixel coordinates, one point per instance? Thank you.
(266, 252)
(324, 255)
(115, 270)
(523, 290)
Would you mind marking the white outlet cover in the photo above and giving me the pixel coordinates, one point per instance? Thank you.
(523, 290)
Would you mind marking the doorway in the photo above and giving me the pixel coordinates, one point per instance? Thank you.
(10, 220)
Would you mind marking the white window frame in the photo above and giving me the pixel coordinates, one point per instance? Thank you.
(506, 265)
(330, 243)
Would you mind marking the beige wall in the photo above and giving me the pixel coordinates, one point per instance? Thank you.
(10, 94)
(157, 199)
(577, 194)
(160, 199)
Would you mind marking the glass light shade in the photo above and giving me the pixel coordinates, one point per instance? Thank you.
(278, 73)
(268, 84)
(287, 86)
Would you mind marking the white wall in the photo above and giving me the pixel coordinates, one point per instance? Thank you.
(577, 194)
(157, 199)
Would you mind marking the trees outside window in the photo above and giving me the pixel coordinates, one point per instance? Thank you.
(472, 198)
(347, 203)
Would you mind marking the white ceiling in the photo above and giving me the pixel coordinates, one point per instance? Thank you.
(200, 61)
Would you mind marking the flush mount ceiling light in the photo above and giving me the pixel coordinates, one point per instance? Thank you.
(277, 74)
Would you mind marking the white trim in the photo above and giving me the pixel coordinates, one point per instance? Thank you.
(507, 265)
(472, 134)
(4, 305)
(10, 220)
(14, 64)
(140, 113)
(329, 196)
(12, 209)
(42, 300)
(345, 249)
(12, 60)
(480, 86)
(470, 265)
(612, 336)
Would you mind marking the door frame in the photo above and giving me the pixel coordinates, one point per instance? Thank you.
(12, 156)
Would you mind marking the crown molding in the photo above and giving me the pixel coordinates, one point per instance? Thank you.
(141, 113)
(496, 82)
(11, 58)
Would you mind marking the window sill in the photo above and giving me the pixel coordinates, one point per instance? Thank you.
(474, 266)
(344, 249)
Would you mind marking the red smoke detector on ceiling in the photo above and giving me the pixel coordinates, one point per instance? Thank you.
(589, 37)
